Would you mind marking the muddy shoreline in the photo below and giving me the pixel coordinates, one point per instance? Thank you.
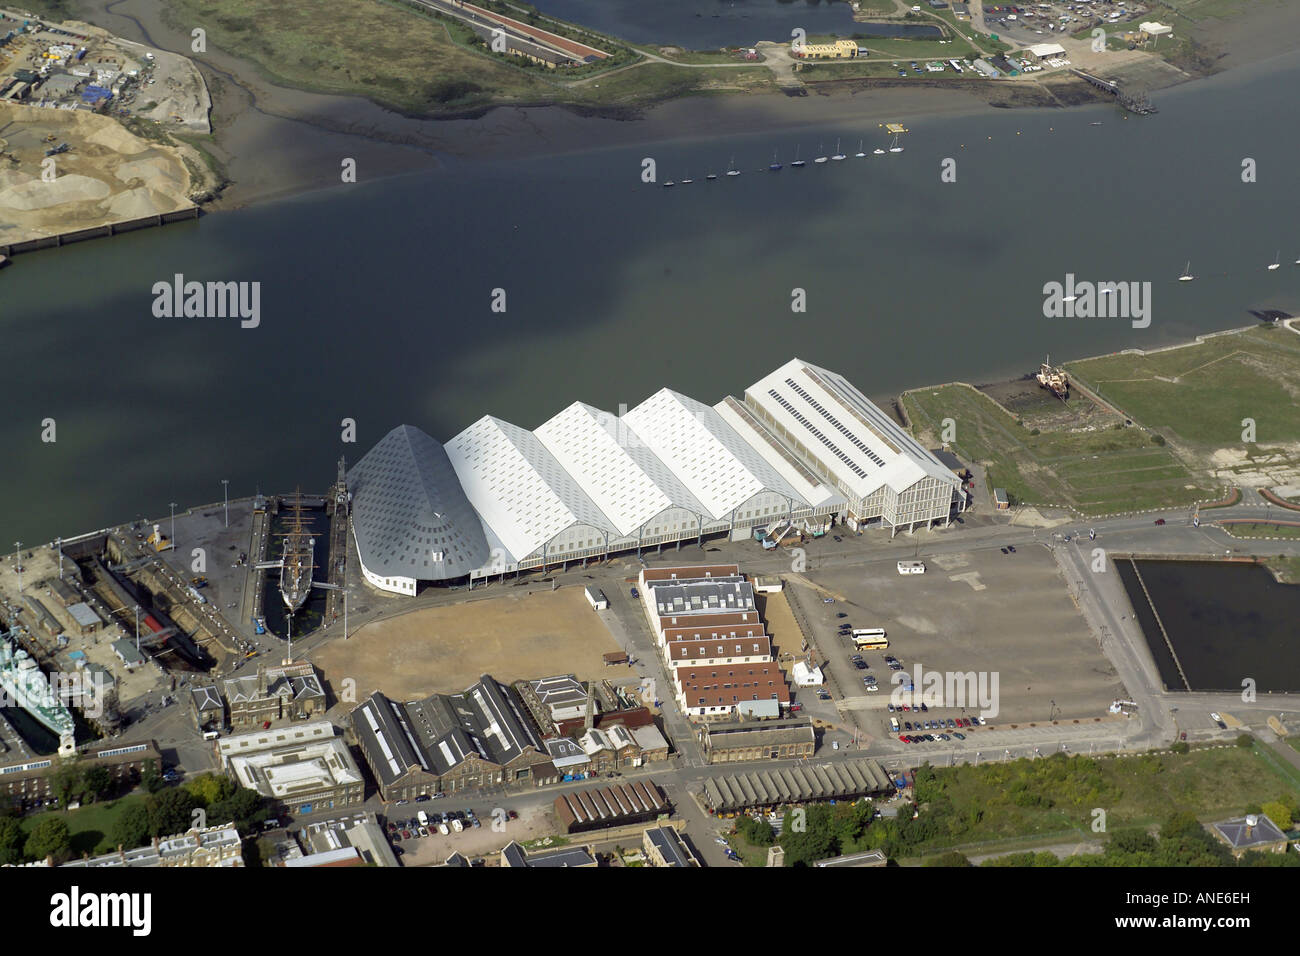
(274, 141)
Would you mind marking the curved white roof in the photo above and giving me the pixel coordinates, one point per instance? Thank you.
(717, 467)
(522, 493)
(601, 466)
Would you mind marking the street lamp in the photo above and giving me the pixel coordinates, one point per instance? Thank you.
(225, 499)
(172, 505)
(18, 564)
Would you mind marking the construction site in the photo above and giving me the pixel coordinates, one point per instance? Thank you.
(84, 131)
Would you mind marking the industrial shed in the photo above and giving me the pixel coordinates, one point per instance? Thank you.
(772, 788)
(618, 805)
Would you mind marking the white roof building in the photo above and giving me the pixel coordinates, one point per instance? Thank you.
(1045, 50)
(805, 676)
(498, 498)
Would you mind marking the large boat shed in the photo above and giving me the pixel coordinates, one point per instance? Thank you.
(772, 788)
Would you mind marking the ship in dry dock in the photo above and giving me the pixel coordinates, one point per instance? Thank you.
(297, 563)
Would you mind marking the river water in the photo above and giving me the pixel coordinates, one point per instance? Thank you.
(376, 298)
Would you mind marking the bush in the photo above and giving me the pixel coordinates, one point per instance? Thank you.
(1245, 740)
(50, 838)
(1179, 748)
(1158, 439)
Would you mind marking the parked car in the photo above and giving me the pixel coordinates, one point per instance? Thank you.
(1011, 548)
(795, 708)
(1160, 521)
(422, 797)
(924, 709)
(828, 600)
(837, 537)
(1004, 550)
(907, 725)
(634, 593)
(959, 735)
(840, 614)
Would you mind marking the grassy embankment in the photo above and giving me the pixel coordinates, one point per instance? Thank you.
(1097, 472)
(1195, 398)
(417, 63)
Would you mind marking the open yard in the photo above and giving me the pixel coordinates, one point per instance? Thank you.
(1097, 470)
(445, 649)
(91, 827)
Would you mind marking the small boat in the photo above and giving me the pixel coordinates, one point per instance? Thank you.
(774, 165)
(731, 168)
(1187, 273)
(711, 176)
(859, 154)
(820, 159)
(1277, 261)
(669, 183)
(895, 148)
(838, 155)
(687, 181)
(4, 261)
(878, 151)
(797, 161)
(1095, 124)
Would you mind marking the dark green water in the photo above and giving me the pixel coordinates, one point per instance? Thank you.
(376, 298)
(1227, 623)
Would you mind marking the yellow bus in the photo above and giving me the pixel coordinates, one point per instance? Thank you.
(870, 638)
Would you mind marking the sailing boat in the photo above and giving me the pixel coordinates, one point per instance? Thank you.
(774, 165)
(1187, 273)
(860, 152)
(797, 160)
(878, 151)
(668, 183)
(838, 155)
(711, 176)
(820, 159)
(895, 148)
(1277, 261)
(731, 168)
(687, 181)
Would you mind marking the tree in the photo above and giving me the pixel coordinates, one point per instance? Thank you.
(50, 838)
(210, 788)
(245, 808)
(66, 782)
(11, 841)
(1279, 813)
(1245, 741)
(96, 783)
(171, 811)
(150, 778)
(132, 826)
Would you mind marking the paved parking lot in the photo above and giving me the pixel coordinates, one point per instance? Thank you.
(1008, 616)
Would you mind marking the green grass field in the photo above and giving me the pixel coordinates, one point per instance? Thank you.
(1262, 530)
(90, 826)
(1201, 394)
(1008, 801)
(1097, 472)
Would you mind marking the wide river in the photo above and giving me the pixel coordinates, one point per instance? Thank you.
(376, 298)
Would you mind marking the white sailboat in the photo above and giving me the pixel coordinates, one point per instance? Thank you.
(838, 155)
(895, 148)
(1277, 261)
(687, 181)
(1187, 273)
(820, 159)
(878, 151)
(731, 168)
(797, 161)
(860, 153)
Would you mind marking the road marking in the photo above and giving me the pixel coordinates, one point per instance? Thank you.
(970, 577)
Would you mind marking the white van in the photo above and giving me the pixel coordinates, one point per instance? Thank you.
(423, 818)
(893, 724)
(211, 735)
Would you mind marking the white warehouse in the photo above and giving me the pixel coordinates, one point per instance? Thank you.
(500, 499)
